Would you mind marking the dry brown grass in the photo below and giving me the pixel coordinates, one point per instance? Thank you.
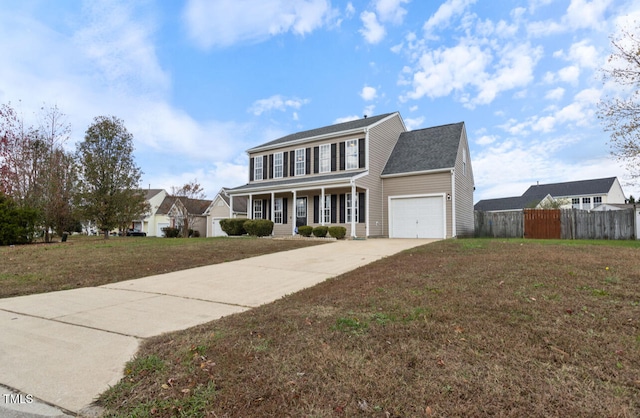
(466, 328)
(94, 261)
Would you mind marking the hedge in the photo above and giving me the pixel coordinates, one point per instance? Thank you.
(305, 230)
(258, 227)
(233, 226)
(320, 231)
(338, 232)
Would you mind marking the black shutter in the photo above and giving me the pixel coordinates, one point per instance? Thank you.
(333, 157)
(334, 207)
(285, 210)
(316, 159)
(250, 169)
(265, 208)
(342, 156)
(316, 209)
(270, 166)
(292, 163)
(343, 202)
(285, 167)
(361, 208)
(307, 161)
(265, 167)
(361, 156)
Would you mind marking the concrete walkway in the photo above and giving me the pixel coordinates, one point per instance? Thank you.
(65, 348)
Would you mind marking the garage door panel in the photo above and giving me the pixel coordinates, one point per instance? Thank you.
(417, 217)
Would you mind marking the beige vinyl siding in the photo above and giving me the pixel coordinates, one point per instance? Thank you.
(464, 191)
(421, 184)
(382, 139)
(220, 209)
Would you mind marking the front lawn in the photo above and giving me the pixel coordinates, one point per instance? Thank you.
(457, 328)
(93, 261)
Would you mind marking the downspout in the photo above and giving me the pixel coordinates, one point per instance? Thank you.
(453, 203)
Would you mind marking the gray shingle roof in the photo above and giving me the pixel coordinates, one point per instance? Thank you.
(425, 149)
(572, 188)
(325, 130)
(507, 203)
(239, 204)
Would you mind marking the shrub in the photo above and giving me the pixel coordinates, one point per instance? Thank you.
(320, 231)
(233, 226)
(17, 225)
(305, 230)
(170, 232)
(338, 232)
(258, 227)
(196, 234)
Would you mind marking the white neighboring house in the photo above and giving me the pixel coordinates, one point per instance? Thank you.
(583, 194)
(220, 209)
(156, 218)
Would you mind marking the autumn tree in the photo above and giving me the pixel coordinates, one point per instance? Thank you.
(109, 176)
(620, 113)
(187, 199)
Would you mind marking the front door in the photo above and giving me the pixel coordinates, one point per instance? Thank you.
(301, 211)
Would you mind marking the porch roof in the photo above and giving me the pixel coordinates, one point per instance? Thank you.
(295, 183)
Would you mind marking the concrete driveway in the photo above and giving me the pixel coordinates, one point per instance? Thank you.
(65, 348)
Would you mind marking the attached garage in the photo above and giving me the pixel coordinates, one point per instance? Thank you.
(417, 216)
(217, 229)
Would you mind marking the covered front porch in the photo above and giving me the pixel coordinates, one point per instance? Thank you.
(340, 203)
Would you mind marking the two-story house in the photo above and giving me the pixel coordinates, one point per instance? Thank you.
(369, 175)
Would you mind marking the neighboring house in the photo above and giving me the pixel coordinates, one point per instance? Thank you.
(155, 219)
(369, 175)
(192, 212)
(220, 208)
(584, 194)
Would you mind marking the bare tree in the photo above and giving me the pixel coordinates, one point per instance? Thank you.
(183, 204)
(620, 113)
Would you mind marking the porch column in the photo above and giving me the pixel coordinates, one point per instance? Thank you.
(231, 206)
(353, 210)
(321, 206)
(250, 208)
(295, 214)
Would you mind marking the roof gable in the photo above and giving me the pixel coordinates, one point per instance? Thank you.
(425, 149)
(325, 130)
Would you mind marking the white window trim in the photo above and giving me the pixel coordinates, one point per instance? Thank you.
(257, 168)
(324, 159)
(300, 163)
(351, 159)
(326, 210)
(347, 208)
(257, 209)
(278, 166)
(277, 213)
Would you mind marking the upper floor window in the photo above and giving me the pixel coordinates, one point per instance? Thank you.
(575, 203)
(277, 165)
(300, 162)
(597, 201)
(325, 158)
(257, 168)
(351, 154)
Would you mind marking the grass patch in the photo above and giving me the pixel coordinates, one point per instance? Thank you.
(93, 261)
(508, 328)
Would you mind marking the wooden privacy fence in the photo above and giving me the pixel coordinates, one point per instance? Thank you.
(557, 223)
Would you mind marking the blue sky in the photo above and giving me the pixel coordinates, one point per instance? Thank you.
(198, 82)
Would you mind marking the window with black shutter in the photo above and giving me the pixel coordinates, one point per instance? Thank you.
(285, 172)
(333, 157)
(251, 169)
(316, 160)
(361, 208)
(316, 209)
(308, 161)
(334, 208)
(342, 156)
(342, 203)
(270, 172)
(361, 156)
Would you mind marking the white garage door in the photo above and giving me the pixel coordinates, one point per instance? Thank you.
(417, 217)
(161, 225)
(217, 229)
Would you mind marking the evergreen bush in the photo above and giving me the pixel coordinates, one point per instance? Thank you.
(233, 226)
(305, 230)
(258, 227)
(320, 231)
(338, 232)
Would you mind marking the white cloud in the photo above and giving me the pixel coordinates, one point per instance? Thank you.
(276, 102)
(414, 123)
(555, 94)
(369, 110)
(486, 139)
(445, 13)
(368, 93)
(346, 119)
(570, 74)
(580, 14)
(349, 10)
(223, 23)
(391, 10)
(373, 32)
